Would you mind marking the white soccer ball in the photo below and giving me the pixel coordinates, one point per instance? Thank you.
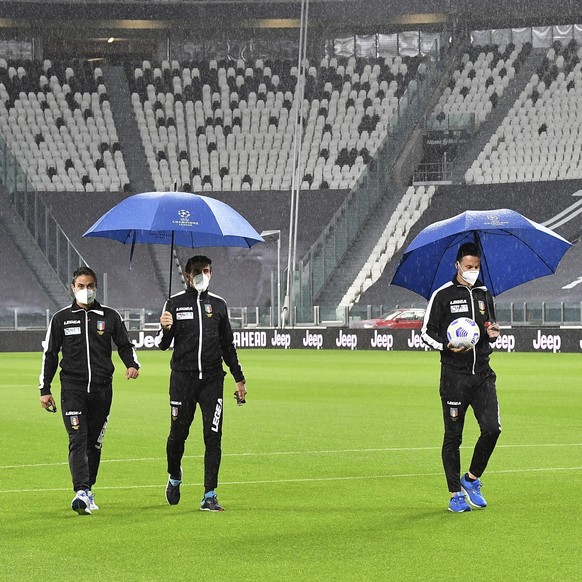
(463, 333)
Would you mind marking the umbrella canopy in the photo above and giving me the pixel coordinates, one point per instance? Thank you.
(514, 250)
(175, 218)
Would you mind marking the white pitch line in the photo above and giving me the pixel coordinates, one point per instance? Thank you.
(304, 480)
(290, 453)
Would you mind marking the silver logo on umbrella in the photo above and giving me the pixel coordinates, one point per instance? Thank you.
(185, 221)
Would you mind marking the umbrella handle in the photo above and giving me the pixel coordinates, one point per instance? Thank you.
(132, 251)
(171, 264)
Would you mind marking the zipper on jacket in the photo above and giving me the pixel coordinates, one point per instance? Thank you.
(198, 302)
(473, 318)
(88, 351)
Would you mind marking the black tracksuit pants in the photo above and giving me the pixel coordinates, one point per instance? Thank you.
(458, 392)
(85, 415)
(187, 390)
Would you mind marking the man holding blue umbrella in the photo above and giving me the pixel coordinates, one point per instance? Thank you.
(466, 376)
(197, 322)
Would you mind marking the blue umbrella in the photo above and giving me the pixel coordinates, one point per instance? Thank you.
(514, 250)
(175, 218)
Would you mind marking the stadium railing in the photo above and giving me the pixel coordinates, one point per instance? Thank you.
(550, 314)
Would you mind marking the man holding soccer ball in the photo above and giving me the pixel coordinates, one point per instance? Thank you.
(466, 376)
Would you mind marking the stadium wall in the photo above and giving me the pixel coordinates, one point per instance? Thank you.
(530, 339)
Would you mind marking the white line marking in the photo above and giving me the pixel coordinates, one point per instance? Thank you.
(305, 480)
(290, 453)
(566, 219)
(563, 213)
(573, 283)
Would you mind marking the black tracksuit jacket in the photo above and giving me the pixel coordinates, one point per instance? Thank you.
(202, 335)
(85, 337)
(448, 303)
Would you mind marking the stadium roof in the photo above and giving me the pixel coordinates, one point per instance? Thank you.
(476, 13)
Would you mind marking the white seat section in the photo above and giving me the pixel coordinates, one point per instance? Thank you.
(540, 138)
(215, 108)
(67, 127)
(477, 84)
(406, 214)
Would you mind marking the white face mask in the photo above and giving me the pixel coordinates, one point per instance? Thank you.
(85, 296)
(470, 276)
(201, 282)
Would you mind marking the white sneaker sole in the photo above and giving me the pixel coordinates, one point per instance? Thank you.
(464, 510)
(470, 502)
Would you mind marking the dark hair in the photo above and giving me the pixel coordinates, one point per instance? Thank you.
(470, 249)
(84, 270)
(197, 261)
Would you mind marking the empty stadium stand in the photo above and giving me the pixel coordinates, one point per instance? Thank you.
(478, 83)
(56, 119)
(227, 128)
(540, 138)
(222, 126)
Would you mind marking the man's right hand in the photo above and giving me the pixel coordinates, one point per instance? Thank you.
(47, 401)
(166, 320)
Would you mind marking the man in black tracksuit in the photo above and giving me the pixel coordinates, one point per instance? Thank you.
(466, 376)
(84, 332)
(197, 322)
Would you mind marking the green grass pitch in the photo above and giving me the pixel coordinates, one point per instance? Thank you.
(331, 471)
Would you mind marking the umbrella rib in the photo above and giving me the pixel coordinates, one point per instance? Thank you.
(484, 260)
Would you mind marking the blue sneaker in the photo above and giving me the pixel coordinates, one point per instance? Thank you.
(473, 490)
(458, 503)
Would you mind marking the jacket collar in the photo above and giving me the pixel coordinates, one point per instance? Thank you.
(203, 295)
(95, 308)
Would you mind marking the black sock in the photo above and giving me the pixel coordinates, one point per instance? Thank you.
(469, 478)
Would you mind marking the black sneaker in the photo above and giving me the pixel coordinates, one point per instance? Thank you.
(173, 493)
(210, 502)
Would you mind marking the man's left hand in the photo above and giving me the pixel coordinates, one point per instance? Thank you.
(241, 392)
(131, 373)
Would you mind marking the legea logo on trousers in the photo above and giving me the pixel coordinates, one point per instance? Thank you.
(217, 413)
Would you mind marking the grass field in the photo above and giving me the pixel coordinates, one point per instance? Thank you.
(331, 471)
